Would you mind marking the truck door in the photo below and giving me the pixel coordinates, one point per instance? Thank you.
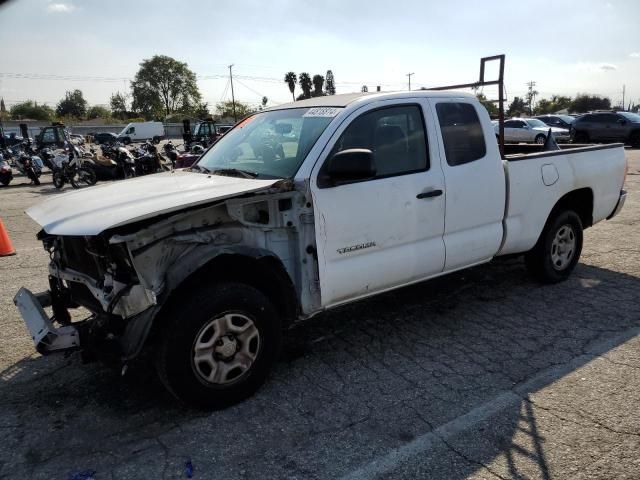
(385, 231)
(475, 183)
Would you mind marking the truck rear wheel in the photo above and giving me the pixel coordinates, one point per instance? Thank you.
(218, 344)
(558, 249)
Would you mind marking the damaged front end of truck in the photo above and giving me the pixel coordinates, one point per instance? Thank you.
(125, 276)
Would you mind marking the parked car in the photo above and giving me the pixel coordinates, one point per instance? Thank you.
(377, 191)
(140, 131)
(607, 127)
(530, 130)
(104, 137)
(560, 121)
(12, 139)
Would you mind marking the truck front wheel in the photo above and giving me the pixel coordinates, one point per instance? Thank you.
(218, 344)
(558, 249)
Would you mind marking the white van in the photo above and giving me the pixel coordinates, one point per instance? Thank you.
(135, 132)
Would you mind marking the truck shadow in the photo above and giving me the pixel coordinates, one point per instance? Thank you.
(350, 386)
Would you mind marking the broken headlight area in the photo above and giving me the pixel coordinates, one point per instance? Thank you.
(91, 273)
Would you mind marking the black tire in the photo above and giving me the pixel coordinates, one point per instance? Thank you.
(540, 259)
(634, 140)
(5, 181)
(83, 177)
(186, 321)
(540, 139)
(581, 137)
(126, 141)
(58, 179)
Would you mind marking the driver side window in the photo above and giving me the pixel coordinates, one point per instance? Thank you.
(395, 136)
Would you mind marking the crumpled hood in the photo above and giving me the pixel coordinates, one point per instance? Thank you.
(92, 210)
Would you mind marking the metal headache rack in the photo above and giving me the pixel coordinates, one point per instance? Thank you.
(482, 83)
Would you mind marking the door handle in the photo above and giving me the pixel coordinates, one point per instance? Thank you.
(429, 194)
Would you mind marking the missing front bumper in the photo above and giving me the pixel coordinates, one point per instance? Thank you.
(46, 337)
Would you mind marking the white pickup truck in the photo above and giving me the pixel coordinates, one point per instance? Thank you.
(296, 210)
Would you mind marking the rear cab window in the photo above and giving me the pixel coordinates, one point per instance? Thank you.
(462, 133)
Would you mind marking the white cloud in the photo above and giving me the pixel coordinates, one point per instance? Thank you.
(60, 7)
(607, 67)
(634, 54)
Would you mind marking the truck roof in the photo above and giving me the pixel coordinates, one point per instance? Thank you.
(345, 99)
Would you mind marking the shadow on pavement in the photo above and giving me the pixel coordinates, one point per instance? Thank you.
(351, 385)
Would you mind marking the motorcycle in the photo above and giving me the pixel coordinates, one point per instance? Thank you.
(147, 160)
(171, 152)
(72, 170)
(29, 166)
(6, 175)
(116, 163)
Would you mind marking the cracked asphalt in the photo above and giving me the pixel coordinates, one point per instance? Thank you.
(483, 374)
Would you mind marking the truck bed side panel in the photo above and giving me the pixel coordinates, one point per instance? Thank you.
(532, 197)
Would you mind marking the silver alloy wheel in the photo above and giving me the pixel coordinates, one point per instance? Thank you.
(225, 348)
(563, 247)
(540, 139)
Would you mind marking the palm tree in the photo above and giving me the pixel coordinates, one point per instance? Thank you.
(305, 84)
(318, 82)
(291, 79)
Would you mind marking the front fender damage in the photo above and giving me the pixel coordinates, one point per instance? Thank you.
(168, 252)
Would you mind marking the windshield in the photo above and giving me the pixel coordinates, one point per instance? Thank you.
(533, 122)
(269, 144)
(633, 117)
(567, 118)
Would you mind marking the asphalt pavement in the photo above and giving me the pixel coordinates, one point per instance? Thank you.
(480, 374)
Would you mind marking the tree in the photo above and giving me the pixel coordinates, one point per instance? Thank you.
(225, 109)
(31, 110)
(364, 89)
(291, 79)
(556, 103)
(490, 106)
(517, 107)
(118, 103)
(318, 83)
(164, 81)
(330, 85)
(98, 111)
(585, 103)
(72, 105)
(202, 110)
(263, 103)
(3, 109)
(304, 79)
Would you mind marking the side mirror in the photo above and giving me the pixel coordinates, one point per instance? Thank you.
(351, 165)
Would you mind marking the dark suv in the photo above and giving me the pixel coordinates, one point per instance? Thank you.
(560, 121)
(607, 127)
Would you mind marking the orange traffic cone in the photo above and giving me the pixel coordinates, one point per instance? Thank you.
(6, 247)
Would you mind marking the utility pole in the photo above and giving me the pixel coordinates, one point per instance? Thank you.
(532, 93)
(233, 98)
(623, 92)
(409, 75)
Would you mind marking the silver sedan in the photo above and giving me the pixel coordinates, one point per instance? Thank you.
(530, 130)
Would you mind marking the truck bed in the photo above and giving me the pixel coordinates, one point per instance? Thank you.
(595, 171)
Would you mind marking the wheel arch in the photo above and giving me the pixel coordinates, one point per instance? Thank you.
(256, 267)
(580, 201)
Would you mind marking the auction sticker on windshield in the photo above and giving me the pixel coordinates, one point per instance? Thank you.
(329, 112)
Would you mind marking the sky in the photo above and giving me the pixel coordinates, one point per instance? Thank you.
(565, 46)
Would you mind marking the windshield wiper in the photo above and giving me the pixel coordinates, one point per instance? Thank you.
(234, 171)
(200, 168)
